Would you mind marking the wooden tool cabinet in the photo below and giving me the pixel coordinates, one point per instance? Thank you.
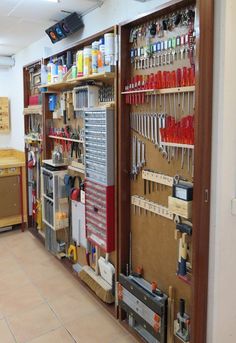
(13, 205)
(152, 237)
(145, 234)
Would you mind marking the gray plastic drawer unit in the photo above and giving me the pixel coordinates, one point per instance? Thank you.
(99, 145)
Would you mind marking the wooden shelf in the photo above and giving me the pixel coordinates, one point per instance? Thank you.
(55, 86)
(98, 76)
(107, 104)
(37, 109)
(78, 170)
(177, 145)
(162, 91)
(66, 139)
(70, 83)
(33, 139)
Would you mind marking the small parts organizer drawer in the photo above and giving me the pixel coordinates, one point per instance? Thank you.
(99, 208)
(99, 145)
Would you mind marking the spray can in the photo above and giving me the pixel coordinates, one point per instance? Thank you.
(87, 60)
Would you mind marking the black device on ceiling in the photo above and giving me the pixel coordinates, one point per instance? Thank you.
(65, 27)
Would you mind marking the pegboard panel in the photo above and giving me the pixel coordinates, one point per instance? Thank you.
(158, 106)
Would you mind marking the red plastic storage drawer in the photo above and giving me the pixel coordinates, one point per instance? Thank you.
(99, 208)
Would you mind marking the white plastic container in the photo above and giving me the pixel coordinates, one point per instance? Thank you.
(109, 40)
(109, 44)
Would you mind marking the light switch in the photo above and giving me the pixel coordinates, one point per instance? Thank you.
(233, 207)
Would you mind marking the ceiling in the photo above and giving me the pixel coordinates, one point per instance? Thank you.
(23, 22)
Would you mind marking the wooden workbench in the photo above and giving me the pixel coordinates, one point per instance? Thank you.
(13, 204)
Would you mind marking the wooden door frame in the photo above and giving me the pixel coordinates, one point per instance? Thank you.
(202, 164)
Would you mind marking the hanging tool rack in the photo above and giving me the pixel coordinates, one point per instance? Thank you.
(164, 170)
(33, 133)
(70, 103)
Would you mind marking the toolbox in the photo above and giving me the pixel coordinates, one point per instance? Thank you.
(99, 214)
(99, 145)
(147, 312)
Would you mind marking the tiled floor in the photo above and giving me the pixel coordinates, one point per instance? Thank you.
(41, 302)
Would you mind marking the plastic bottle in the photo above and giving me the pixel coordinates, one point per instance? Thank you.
(60, 70)
(74, 71)
(80, 63)
(87, 60)
(95, 47)
(51, 70)
(101, 56)
(55, 72)
(44, 74)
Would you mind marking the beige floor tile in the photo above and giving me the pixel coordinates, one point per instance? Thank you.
(30, 252)
(10, 281)
(73, 304)
(34, 323)
(8, 264)
(124, 339)
(54, 287)
(5, 333)
(42, 270)
(20, 299)
(96, 327)
(56, 336)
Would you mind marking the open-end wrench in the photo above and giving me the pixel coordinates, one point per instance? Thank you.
(152, 136)
(145, 125)
(142, 126)
(143, 161)
(182, 158)
(155, 130)
(139, 165)
(134, 164)
(192, 162)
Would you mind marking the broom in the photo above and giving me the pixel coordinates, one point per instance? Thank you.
(96, 283)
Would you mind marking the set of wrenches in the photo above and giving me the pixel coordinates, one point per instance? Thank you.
(138, 156)
(149, 126)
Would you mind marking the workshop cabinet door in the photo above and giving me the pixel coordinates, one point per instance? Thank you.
(9, 196)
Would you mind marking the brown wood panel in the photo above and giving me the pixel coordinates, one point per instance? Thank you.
(9, 196)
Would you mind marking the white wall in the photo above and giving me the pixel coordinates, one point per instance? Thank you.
(222, 279)
(5, 139)
(111, 13)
